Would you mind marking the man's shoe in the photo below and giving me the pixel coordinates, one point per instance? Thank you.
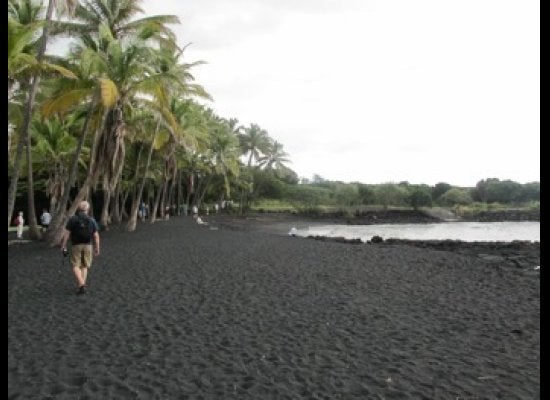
(81, 290)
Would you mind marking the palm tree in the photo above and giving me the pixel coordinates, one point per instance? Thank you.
(25, 128)
(97, 94)
(22, 63)
(148, 123)
(254, 142)
(225, 151)
(275, 157)
(20, 37)
(123, 67)
(53, 148)
(109, 28)
(118, 18)
(26, 12)
(134, 68)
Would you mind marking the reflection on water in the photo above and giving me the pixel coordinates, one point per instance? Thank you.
(465, 231)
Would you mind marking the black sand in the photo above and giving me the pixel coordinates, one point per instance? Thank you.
(181, 311)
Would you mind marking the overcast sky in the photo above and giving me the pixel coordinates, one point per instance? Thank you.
(376, 91)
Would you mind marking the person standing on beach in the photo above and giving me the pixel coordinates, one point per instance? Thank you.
(141, 211)
(20, 221)
(45, 219)
(81, 229)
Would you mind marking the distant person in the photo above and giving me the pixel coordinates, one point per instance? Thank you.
(81, 229)
(45, 220)
(199, 220)
(20, 221)
(141, 211)
(216, 207)
(195, 211)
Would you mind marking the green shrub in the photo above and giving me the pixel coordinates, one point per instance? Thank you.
(456, 196)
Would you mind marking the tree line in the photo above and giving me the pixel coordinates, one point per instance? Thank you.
(116, 120)
(320, 192)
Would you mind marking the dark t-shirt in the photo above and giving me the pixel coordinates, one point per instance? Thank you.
(72, 224)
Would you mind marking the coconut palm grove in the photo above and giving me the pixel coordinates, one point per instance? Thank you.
(119, 120)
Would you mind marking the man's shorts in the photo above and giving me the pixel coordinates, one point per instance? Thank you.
(81, 255)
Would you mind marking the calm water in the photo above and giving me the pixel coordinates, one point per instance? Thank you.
(465, 231)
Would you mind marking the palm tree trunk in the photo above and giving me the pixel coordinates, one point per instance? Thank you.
(104, 220)
(188, 194)
(198, 190)
(115, 206)
(12, 190)
(180, 192)
(155, 206)
(163, 198)
(205, 186)
(132, 222)
(123, 213)
(34, 231)
(172, 192)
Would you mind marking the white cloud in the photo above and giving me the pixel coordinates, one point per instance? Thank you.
(424, 91)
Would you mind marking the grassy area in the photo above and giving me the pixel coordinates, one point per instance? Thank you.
(269, 205)
(462, 210)
(282, 206)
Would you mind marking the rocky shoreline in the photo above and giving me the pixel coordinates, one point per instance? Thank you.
(518, 254)
(499, 216)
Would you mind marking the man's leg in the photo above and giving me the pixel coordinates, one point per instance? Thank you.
(79, 266)
(84, 275)
(79, 275)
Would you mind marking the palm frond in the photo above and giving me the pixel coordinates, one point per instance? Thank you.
(64, 102)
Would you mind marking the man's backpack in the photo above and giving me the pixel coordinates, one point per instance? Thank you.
(82, 230)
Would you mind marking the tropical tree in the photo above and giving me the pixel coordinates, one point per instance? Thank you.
(119, 18)
(93, 94)
(52, 151)
(275, 157)
(20, 38)
(225, 151)
(16, 8)
(254, 142)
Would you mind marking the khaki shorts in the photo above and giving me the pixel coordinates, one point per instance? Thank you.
(81, 255)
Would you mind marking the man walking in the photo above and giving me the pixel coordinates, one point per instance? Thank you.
(81, 229)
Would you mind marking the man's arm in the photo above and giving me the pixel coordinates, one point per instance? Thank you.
(65, 238)
(96, 243)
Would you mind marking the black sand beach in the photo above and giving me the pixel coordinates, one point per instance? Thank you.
(181, 311)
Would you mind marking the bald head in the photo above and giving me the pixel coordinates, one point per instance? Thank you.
(83, 206)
